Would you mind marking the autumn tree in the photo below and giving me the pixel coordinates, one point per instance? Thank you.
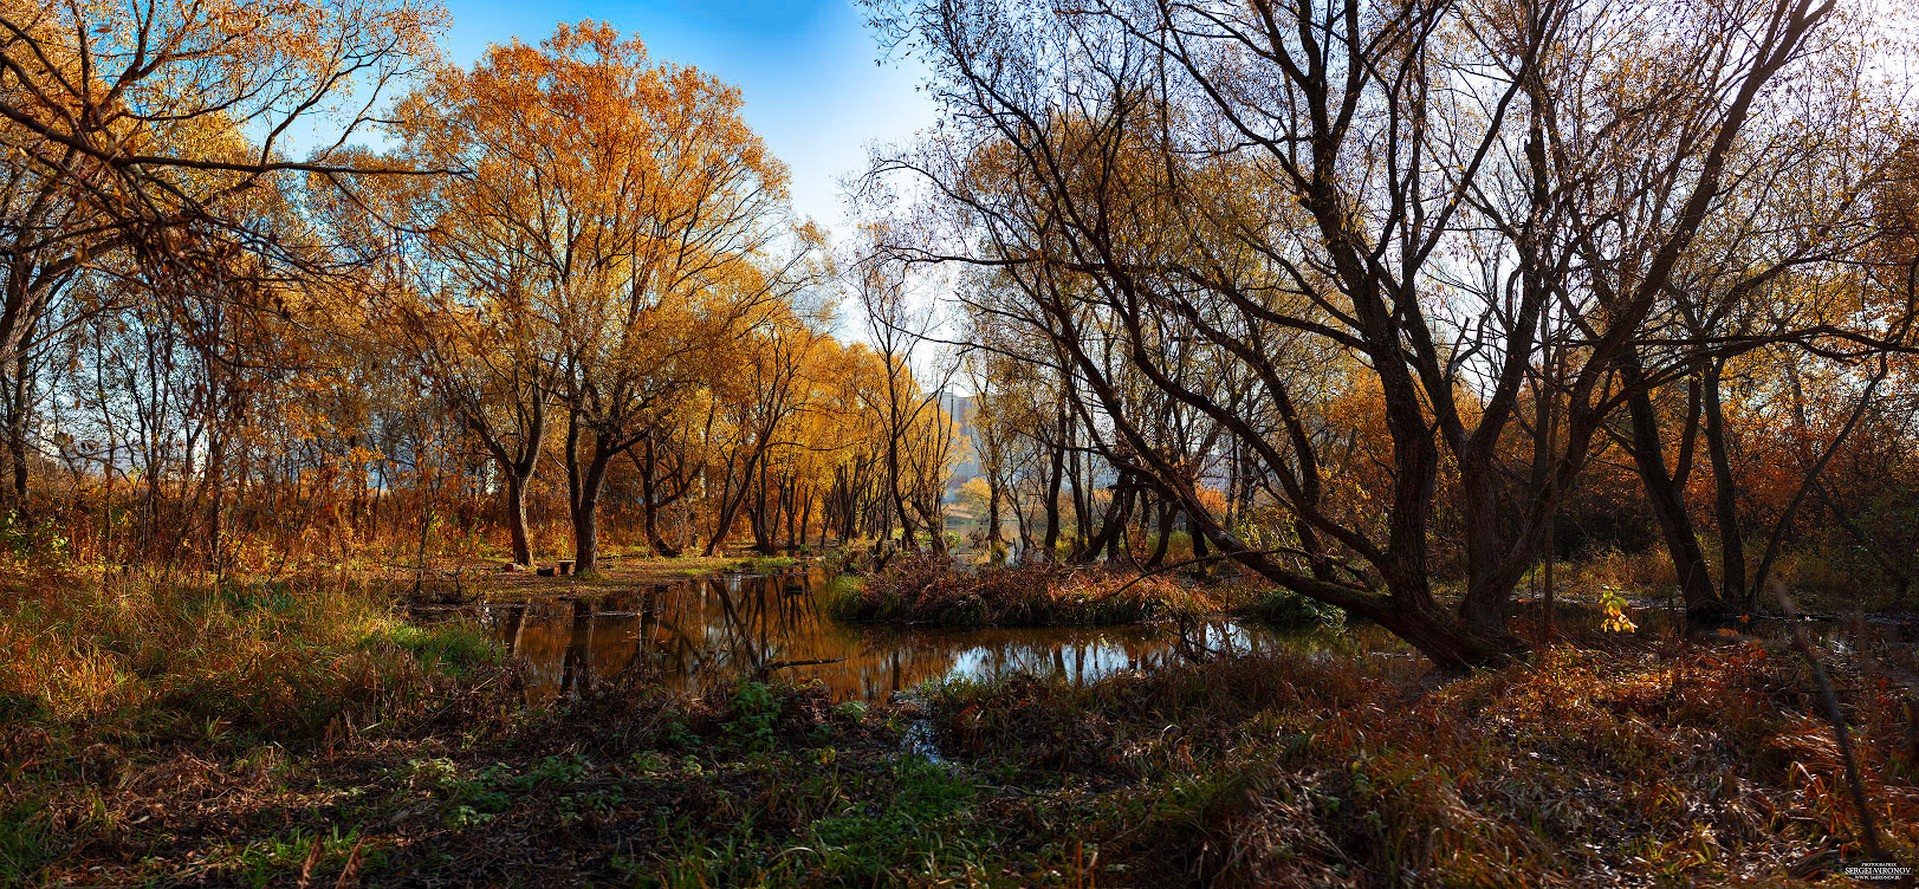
(627, 213)
(141, 126)
(1288, 192)
(920, 443)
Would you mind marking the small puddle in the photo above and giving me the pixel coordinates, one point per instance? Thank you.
(706, 631)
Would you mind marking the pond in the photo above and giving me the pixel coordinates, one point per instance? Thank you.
(705, 631)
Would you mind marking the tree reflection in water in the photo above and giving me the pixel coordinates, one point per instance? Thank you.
(712, 630)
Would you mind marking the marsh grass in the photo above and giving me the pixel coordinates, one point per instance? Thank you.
(929, 589)
(140, 660)
(262, 734)
(1286, 609)
(121, 690)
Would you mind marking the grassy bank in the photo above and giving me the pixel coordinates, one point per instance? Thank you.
(109, 687)
(926, 589)
(258, 736)
(1584, 768)
(148, 661)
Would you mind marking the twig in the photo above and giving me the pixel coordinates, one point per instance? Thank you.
(350, 875)
(1209, 557)
(1830, 698)
(767, 669)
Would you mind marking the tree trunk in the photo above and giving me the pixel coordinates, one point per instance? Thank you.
(516, 519)
(586, 534)
(21, 396)
(1022, 530)
(1082, 512)
(1055, 471)
(730, 509)
(649, 501)
(1452, 645)
(1407, 610)
(1704, 607)
(790, 503)
(995, 541)
(1112, 527)
(586, 506)
(1732, 544)
(1165, 540)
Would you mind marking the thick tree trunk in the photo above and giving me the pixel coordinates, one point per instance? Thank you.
(994, 537)
(1115, 531)
(21, 398)
(586, 509)
(1200, 549)
(586, 536)
(1407, 610)
(1452, 645)
(1493, 572)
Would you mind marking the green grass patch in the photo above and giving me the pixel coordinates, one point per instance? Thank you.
(25, 840)
(460, 648)
(1289, 610)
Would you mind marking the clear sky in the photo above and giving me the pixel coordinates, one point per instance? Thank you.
(807, 69)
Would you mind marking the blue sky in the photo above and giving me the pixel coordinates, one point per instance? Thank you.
(806, 68)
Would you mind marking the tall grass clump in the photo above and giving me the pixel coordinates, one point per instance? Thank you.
(1286, 609)
(133, 660)
(933, 589)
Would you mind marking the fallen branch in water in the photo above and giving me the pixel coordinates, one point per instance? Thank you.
(766, 669)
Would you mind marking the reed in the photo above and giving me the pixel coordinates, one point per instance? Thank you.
(928, 589)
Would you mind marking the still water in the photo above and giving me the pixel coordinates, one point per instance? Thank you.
(705, 631)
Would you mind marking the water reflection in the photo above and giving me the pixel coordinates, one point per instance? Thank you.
(704, 631)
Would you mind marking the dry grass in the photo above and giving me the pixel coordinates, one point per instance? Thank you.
(260, 735)
(929, 589)
(144, 660)
(147, 687)
(1582, 768)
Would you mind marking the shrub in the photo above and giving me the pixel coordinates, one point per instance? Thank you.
(938, 590)
(32, 543)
